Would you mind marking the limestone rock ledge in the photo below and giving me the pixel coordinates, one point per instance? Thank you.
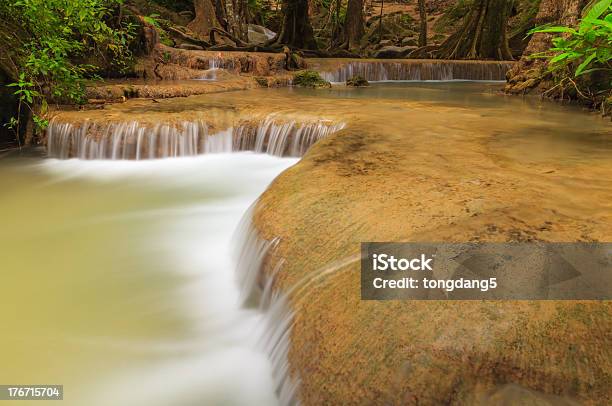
(362, 184)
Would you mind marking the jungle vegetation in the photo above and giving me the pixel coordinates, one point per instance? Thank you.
(50, 49)
(581, 57)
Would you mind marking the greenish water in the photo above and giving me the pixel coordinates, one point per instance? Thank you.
(117, 277)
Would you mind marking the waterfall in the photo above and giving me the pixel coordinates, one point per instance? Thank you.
(214, 64)
(256, 288)
(288, 138)
(218, 62)
(416, 70)
(135, 141)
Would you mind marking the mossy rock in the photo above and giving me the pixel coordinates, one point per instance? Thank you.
(262, 81)
(357, 81)
(309, 78)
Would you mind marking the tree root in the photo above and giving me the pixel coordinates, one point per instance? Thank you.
(189, 38)
(226, 34)
(424, 52)
(248, 48)
(337, 53)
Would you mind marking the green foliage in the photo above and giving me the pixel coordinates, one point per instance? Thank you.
(58, 36)
(160, 26)
(585, 49)
(357, 81)
(25, 91)
(309, 78)
(152, 19)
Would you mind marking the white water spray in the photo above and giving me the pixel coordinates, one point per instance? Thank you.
(271, 317)
(236, 351)
(131, 140)
(380, 71)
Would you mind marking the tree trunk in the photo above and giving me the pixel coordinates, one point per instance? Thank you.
(380, 20)
(221, 13)
(296, 30)
(354, 23)
(482, 35)
(238, 19)
(558, 12)
(529, 73)
(205, 18)
(423, 26)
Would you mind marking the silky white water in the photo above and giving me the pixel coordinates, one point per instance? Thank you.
(130, 140)
(120, 282)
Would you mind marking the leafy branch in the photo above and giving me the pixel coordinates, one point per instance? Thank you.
(586, 49)
(57, 36)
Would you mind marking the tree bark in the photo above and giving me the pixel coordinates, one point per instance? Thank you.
(482, 35)
(238, 19)
(380, 21)
(560, 12)
(221, 14)
(423, 25)
(296, 30)
(354, 24)
(529, 73)
(205, 18)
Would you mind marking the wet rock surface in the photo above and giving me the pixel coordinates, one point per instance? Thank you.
(357, 81)
(397, 173)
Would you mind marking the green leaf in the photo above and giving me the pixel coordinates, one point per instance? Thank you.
(591, 70)
(560, 57)
(600, 22)
(583, 65)
(598, 9)
(555, 30)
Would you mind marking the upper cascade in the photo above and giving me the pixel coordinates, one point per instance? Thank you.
(134, 141)
(417, 70)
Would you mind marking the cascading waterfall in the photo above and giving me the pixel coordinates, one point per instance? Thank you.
(417, 70)
(282, 139)
(214, 64)
(218, 62)
(257, 289)
(135, 141)
(270, 136)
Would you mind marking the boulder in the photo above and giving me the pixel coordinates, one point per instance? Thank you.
(259, 35)
(309, 78)
(357, 81)
(393, 52)
(257, 38)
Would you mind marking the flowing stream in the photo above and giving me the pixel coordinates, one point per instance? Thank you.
(119, 280)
